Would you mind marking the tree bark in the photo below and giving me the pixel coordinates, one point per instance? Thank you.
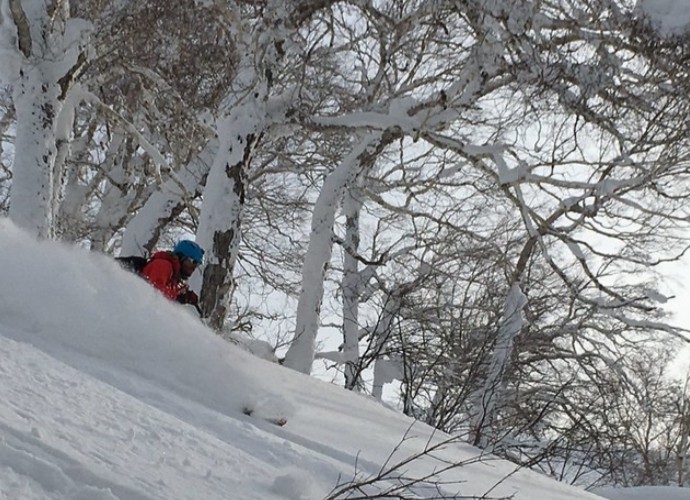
(46, 65)
(486, 400)
(33, 184)
(300, 355)
(143, 230)
(221, 216)
(351, 287)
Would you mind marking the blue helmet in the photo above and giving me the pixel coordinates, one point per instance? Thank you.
(190, 250)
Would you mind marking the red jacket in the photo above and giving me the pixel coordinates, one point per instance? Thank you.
(163, 272)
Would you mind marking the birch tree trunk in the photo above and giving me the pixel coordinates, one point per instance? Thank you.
(486, 400)
(238, 132)
(351, 287)
(381, 335)
(221, 211)
(263, 45)
(36, 100)
(116, 200)
(64, 139)
(300, 355)
(143, 230)
(46, 54)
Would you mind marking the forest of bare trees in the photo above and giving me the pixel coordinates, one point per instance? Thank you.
(470, 198)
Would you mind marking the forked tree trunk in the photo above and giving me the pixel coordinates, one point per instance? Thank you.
(45, 64)
(300, 355)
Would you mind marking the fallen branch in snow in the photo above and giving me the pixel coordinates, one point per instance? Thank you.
(394, 481)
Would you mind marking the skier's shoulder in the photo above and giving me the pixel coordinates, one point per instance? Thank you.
(164, 260)
(163, 255)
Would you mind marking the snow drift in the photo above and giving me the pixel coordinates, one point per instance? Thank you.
(83, 304)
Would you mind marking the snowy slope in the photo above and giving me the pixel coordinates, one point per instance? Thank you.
(111, 392)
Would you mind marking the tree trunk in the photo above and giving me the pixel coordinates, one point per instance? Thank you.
(46, 56)
(300, 355)
(36, 100)
(486, 402)
(351, 286)
(221, 211)
(143, 230)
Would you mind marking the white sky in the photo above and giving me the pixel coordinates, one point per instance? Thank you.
(669, 17)
(110, 391)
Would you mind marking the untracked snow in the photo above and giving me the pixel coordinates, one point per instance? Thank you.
(109, 391)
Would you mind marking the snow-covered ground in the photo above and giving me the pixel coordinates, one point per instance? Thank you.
(109, 391)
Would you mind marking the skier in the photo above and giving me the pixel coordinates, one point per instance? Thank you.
(167, 271)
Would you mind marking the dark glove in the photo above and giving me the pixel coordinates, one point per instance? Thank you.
(188, 297)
